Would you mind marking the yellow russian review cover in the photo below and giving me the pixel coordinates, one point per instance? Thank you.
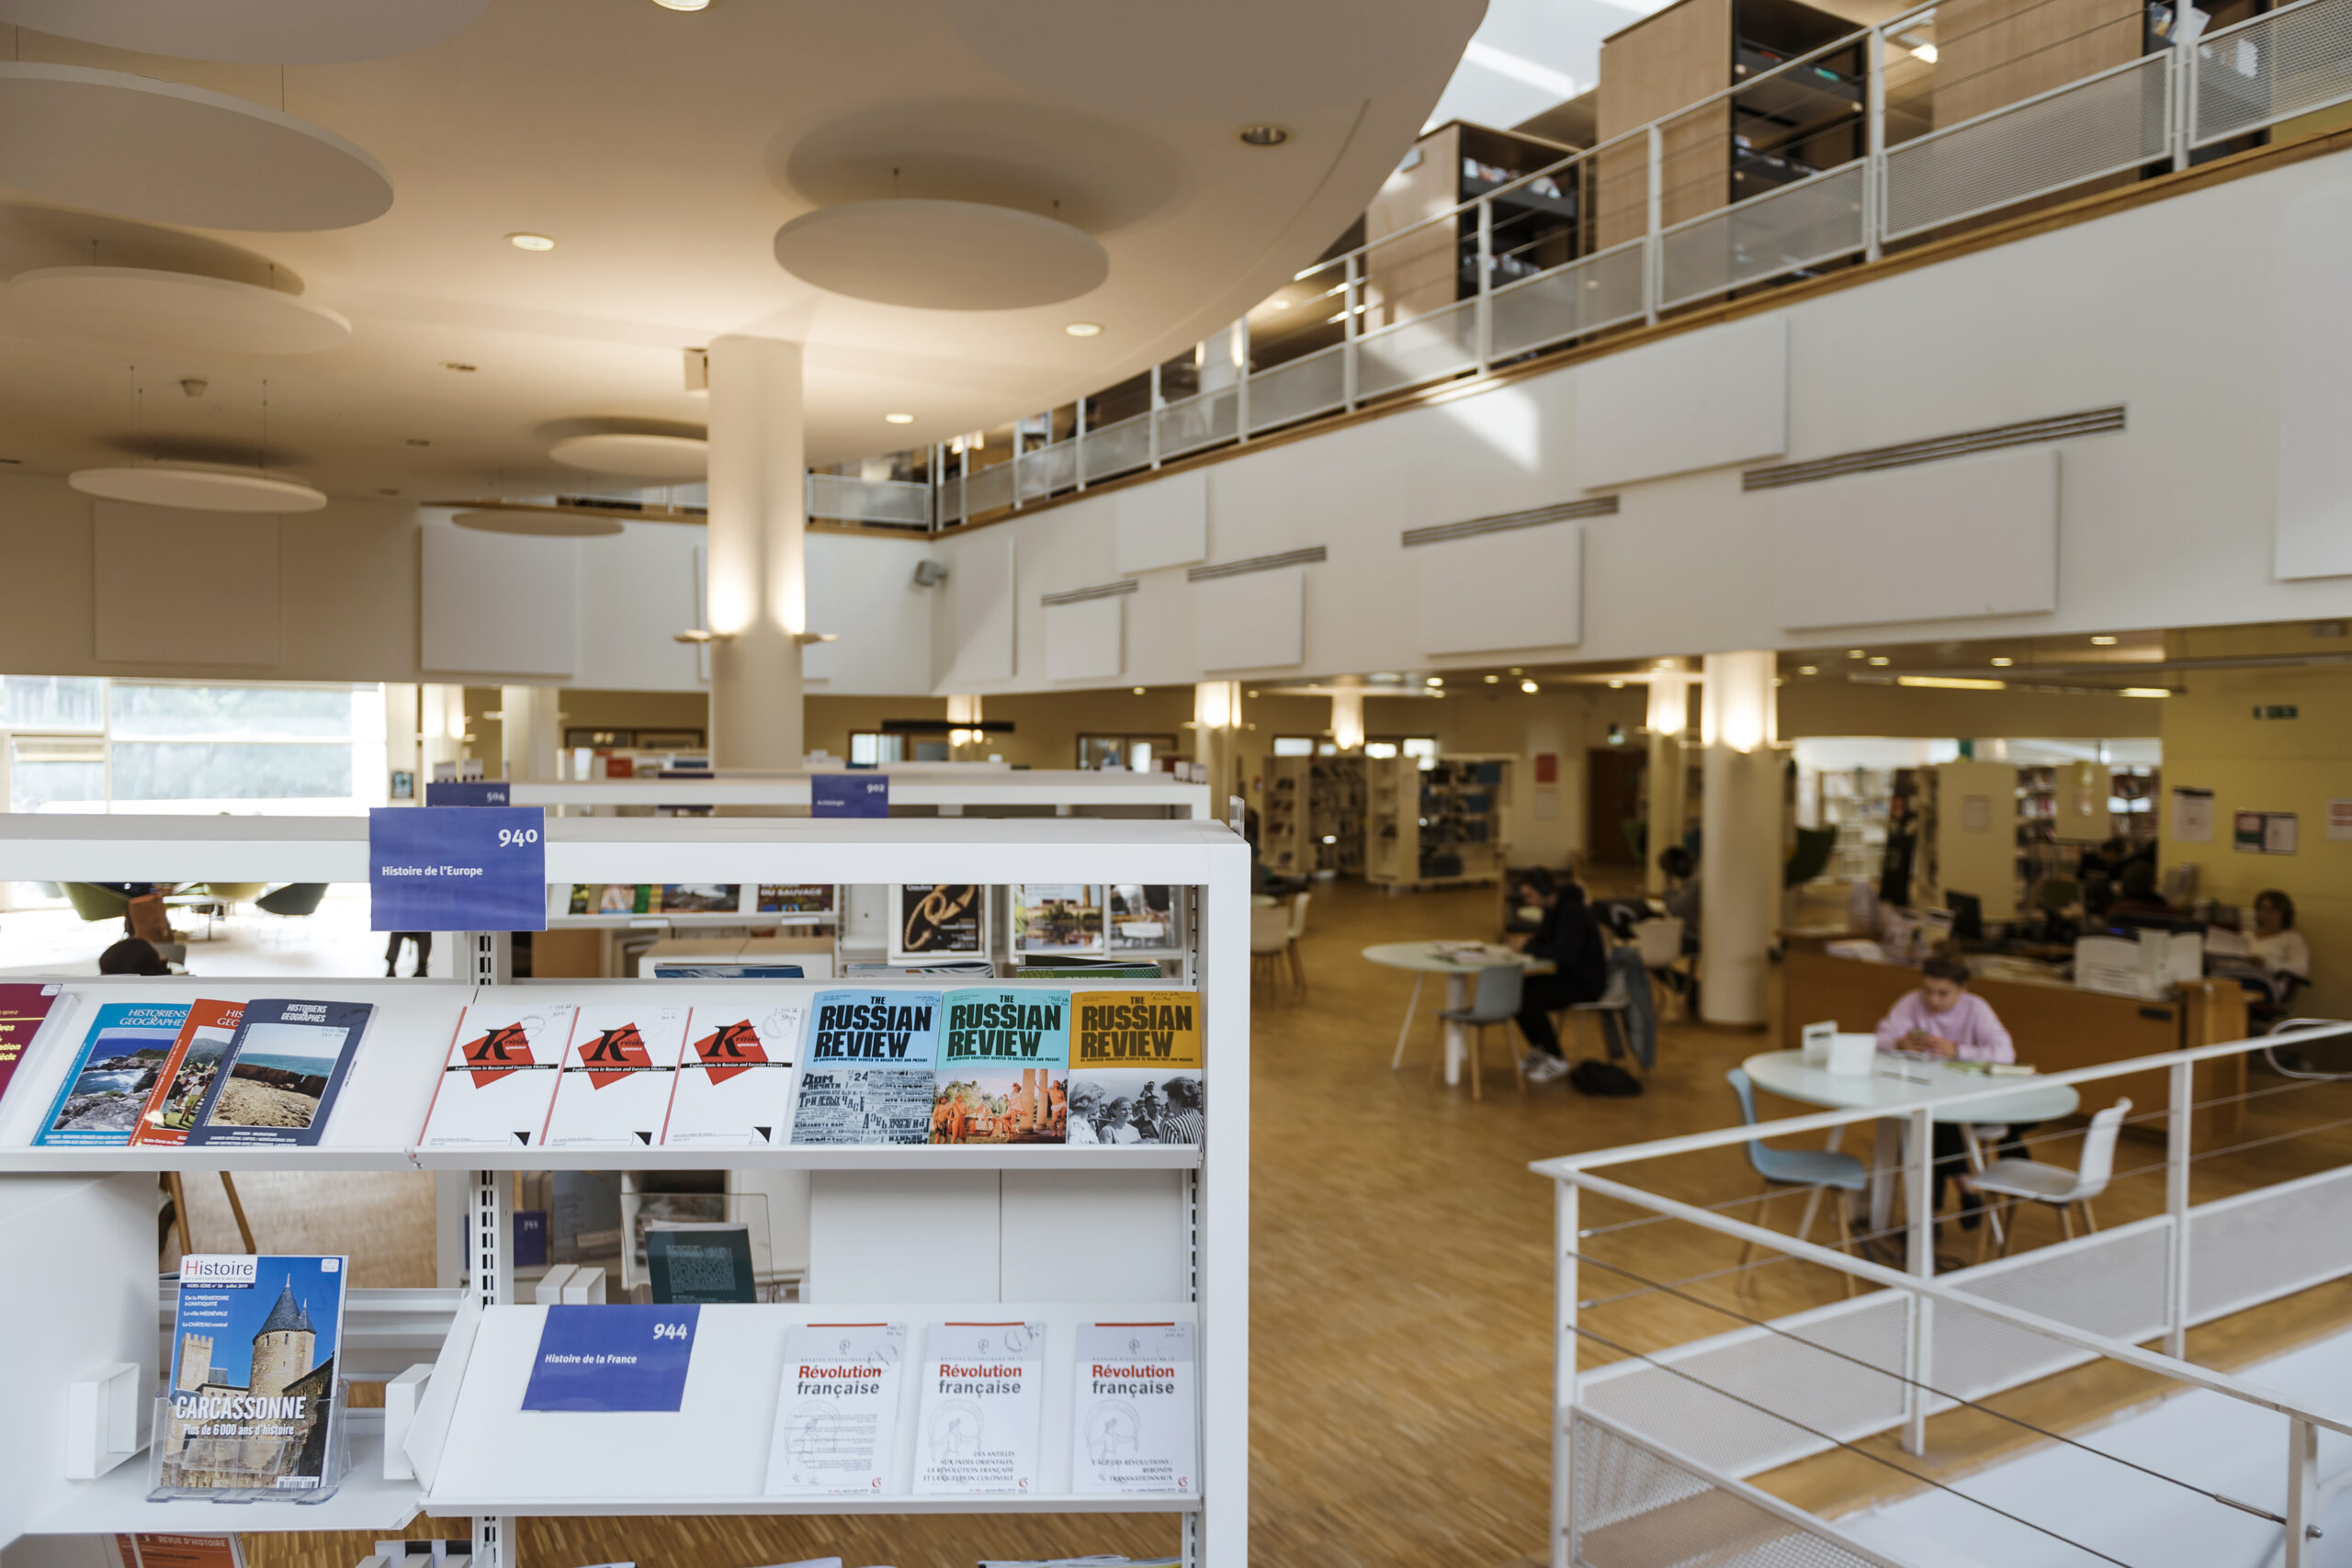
(1136, 1067)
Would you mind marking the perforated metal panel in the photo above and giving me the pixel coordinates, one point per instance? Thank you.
(1047, 469)
(1637, 1509)
(1784, 1376)
(1443, 342)
(2268, 1243)
(951, 500)
(1601, 290)
(2290, 63)
(2111, 1283)
(1311, 384)
(1198, 422)
(1117, 448)
(987, 489)
(2100, 125)
(1796, 227)
(868, 501)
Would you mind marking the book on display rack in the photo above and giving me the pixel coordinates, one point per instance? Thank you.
(865, 1077)
(115, 1071)
(1133, 1417)
(982, 1404)
(837, 1410)
(614, 1091)
(733, 1087)
(1136, 1073)
(277, 1082)
(250, 1407)
(500, 1076)
(23, 1010)
(187, 1073)
(1003, 1075)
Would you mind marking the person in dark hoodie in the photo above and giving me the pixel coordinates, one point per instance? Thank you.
(1570, 940)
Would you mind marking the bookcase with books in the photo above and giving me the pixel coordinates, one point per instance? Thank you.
(1337, 813)
(1286, 816)
(942, 1124)
(1438, 826)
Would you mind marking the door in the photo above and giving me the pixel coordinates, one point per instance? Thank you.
(1612, 799)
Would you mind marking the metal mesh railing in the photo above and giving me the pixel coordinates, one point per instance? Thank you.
(2273, 68)
(840, 497)
(1636, 1507)
(2103, 125)
(2259, 1246)
(1430, 347)
(1603, 290)
(1794, 228)
(1299, 388)
(1117, 448)
(1198, 422)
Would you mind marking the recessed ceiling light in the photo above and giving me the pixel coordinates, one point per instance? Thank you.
(1434, 680)
(1616, 685)
(898, 419)
(683, 4)
(1084, 329)
(1264, 135)
(531, 242)
(2145, 692)
(1493, 680)
(2003, 663)
(1528, 686)
(1138, 690)
(1808, 668)
(1514, 669)
(1253, 694)
(1952, 683)
(459, 365)
(1853, 653)
(2102, 642)
(1879, 658)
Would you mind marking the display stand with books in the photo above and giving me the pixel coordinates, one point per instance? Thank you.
(938, 1238)
(1443, 825)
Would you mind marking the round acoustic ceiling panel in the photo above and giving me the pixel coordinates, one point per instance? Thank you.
(194, 488)
(1214, 59)
(253, 32)
(542, 525)
(165, 153)
(179, 309)
(941, 256)
(636, 456)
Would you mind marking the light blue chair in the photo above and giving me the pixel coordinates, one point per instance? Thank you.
(1788, 1170)
(1495, 1000)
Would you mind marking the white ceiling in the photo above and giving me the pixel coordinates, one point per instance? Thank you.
(662, 151)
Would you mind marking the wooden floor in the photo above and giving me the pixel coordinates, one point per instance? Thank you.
(1401, 1359)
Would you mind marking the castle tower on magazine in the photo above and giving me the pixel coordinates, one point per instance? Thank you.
(283, 1347)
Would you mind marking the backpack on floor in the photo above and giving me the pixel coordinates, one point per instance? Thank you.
(1607, 1078)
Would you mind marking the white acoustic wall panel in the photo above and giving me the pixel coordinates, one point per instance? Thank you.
(1086, 640)
(178, 587)
(862, 589)
(2313, 534)
(498, 603)
(1701, 401)
(1164, 522)
(982, 580)
(1520, 588)
(1255, 621)
(1976, 537)
(638, 589)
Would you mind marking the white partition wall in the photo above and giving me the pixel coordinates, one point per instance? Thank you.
(1056, 1235)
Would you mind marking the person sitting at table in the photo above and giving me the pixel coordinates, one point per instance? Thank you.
(1942, 1019)
(1570, 940)
(2277, 946)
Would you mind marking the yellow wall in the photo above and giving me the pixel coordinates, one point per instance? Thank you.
(1834, 706)
(2212, 741)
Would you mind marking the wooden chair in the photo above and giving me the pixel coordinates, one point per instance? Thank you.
(1495, 1001)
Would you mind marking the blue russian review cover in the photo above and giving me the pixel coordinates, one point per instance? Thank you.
(865, 1073)
(252, 1378)
(100, 1103)
(1003, 1073)
(593, 1360)
(279, 1083)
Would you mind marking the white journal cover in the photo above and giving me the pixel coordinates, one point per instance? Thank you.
(734, 1083)
(500, 1076)
(837, 1410)
(981, 1405)
(1133, 1409)
(614, 1091)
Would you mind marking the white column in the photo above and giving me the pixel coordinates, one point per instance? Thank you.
(440, 730)
(1347, 720)
(1668, 790)
(758, 585)
(528, 732)
(1740, 858)
(966, 744)
(1217, 714)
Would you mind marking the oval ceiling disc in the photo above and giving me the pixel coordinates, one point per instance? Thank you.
(179, 309)
(252, 32)
(165, 153)
(1237, 61)
(941, 256)
(198, 490)
(637, 456)
(543, 525)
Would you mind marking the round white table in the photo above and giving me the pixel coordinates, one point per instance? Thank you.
(1427, 958)
(1893, 1079)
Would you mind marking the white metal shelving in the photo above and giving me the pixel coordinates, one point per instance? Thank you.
(1000, 1226)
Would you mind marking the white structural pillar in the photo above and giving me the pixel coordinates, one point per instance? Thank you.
(1670, 800)
(758, 581)
(528, 732)
(1740, 858)
(1216, 716)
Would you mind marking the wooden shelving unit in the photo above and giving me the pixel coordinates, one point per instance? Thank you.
(1442, 826)
(1336, 814)
(1285, 817)
(1535, 225)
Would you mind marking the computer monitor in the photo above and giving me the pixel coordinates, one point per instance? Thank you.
(1967, 916)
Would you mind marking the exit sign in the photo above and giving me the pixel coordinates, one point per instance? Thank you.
(2275, 710)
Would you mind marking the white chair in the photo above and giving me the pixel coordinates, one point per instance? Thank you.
(1660, 940)
(1298, 930)
(2027, 1180)
(1495, 1001)
(1614, 999)
(1269, 940)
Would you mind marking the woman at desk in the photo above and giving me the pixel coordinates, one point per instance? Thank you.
(1942, 1019)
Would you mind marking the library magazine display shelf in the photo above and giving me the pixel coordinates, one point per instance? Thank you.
(1060, 1235)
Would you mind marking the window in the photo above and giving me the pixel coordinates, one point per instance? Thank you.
(50, 702)
(1421, 746)
(1294, 746)
(871, 748)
